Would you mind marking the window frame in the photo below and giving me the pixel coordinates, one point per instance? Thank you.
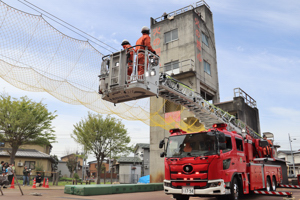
(236, 139)
(29, 165)
(204, 39)
(229, 137)
(171, 31)
(171, 64)
(204, 61)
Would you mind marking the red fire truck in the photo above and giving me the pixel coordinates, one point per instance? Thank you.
(218, 163)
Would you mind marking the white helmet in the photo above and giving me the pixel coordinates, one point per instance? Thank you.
(125, 41)
(145, 29)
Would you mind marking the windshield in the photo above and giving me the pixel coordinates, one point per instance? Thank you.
(192, 145)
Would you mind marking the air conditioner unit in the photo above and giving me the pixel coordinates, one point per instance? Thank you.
(20, 164)
(146, 166)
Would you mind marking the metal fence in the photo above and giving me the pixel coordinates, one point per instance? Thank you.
(238, 92)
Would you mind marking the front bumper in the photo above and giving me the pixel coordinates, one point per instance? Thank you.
(213, 191)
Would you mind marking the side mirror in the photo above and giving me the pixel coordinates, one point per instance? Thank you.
(162, 154)
(222, 138)
(161, 144)
(222, 146)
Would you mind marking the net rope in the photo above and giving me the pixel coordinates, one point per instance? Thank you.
(36, 57)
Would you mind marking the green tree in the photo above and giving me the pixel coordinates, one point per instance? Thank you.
(72, 162)
(102, 136)
(24, 122)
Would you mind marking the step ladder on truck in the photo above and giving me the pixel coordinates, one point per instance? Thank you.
(225, 161)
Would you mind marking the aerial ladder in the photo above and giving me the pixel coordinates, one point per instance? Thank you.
(117, 86)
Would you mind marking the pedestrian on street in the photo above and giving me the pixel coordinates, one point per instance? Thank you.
(26, 173)
(10, 173)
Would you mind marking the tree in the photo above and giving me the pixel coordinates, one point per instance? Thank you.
(102, 136)
(24, 122)
(71, 163)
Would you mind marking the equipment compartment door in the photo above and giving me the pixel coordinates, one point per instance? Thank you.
(256, 176)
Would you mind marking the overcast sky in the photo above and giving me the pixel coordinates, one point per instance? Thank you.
(257, 50)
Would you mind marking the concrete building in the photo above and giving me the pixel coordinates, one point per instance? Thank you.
(185, 41)
(142, 151)
(243, 107)
(129, 169)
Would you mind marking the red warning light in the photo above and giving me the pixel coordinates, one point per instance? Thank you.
(221, 126)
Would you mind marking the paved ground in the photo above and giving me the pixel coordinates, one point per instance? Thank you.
(58, 193)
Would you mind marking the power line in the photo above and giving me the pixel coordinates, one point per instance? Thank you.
(68, 25)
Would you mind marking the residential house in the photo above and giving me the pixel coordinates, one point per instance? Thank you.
(287, 156)
(142, 151)
(93, 167)
(129, 169)
(79, 165)
(35, 157)
(63, 168)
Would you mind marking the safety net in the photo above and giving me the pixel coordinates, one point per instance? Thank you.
(36, 57)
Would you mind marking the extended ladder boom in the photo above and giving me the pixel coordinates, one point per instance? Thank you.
(175, 91)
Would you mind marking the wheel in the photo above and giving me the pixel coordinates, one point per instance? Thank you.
(181, 197)
(268, 188)
(274, 184)
(234, 190)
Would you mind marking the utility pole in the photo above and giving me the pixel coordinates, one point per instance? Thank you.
(110, 165)
(292, 156)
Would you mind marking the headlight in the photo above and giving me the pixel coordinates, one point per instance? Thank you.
(152, 73)
(215, 184)
(167, 184)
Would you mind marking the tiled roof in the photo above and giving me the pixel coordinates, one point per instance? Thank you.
(25, 153)
(128, 160)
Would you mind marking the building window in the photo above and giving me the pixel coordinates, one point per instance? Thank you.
(171, 35)
(172, 67)
(30, 164)
(205, 39)
(206, 67)
(239, 144)
(2, 144)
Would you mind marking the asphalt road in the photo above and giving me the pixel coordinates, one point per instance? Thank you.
(158, 195)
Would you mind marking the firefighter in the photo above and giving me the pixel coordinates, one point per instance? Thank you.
(267, 149)
(145, 41)
(126, 45)
(187, 147)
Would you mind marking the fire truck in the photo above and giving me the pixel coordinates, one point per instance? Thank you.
(217, 162)
(226, 161)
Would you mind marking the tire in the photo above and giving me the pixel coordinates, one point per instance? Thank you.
(234, 190)
(181, 197)
(268, 186)
(274, 184)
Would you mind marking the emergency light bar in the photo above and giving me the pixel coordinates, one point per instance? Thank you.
(220, 126)
(176, 130)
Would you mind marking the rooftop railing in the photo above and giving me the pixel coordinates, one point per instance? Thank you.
(238, 92)
(182, 10)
